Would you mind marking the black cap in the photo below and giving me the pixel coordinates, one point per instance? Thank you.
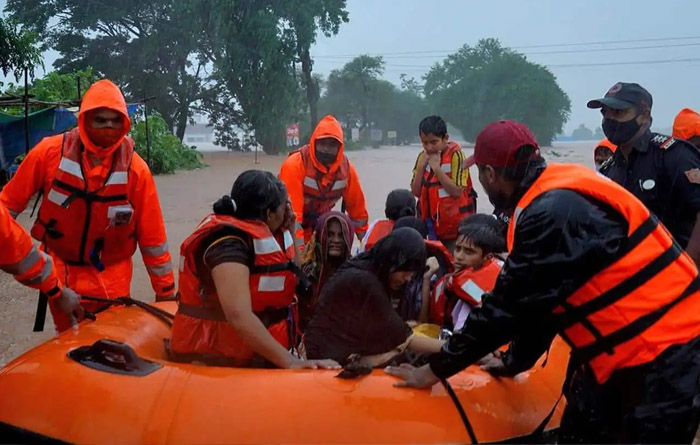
(622, 96)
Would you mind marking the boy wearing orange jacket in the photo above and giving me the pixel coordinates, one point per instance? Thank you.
(480, 238)
(442, 182)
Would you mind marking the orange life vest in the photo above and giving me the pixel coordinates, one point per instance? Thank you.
(436, 203)
(444, 257)
(84, 227)
(377, 231)
(200, 328)
(467, 284)
(633, 309)
(320, 198)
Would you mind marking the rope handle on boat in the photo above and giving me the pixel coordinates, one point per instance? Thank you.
(164, 316)
(460, 409)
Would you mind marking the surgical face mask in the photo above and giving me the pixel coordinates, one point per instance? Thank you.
(325, 158)
(620, 132)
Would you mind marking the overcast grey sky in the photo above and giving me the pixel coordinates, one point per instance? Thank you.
(384, 26)
(436, 27)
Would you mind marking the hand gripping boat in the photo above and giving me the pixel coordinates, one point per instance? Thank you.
(77, 388)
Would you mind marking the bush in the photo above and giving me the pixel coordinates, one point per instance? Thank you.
(351, 145)
(167, 152)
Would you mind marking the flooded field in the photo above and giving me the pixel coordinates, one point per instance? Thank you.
(187, 196)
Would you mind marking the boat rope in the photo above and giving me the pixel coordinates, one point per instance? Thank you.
(460, 409)
(164, 316)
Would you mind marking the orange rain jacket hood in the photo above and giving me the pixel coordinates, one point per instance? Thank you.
(102, 94)
(300, 169)
(328, 127)
(686, 124)
(606, 143)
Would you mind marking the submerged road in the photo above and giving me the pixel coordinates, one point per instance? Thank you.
(187, 196)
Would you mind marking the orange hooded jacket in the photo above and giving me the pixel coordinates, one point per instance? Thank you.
(19, 257)
(606, 143)
(45, 161)
(294, 173)
(686, 124)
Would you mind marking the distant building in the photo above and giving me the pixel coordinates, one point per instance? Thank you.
(200, 135)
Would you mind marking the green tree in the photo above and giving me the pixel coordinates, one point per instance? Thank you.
(145, 46)
(18, 50)
(253, 52)
(167, 153)
(352, 90)
(485, 83)
(360, 98)
(306, 18)
(56, 87)
(582, 133)
(411, 85)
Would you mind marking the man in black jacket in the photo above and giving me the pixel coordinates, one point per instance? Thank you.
(628, 380)
(661, 171)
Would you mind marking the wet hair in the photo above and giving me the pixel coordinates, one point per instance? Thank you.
(485, 232)
(602, 149)
(253, 193)
(434, 125)
(412, 222)
(400, 203)
(401, 250)
(526, 160)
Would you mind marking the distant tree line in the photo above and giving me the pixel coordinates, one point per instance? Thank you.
(247, 65)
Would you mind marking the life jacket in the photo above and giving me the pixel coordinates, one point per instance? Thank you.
(84, 227)
(468, 285)
(444, 257)
(648, 299)
(377, 231)
(200, 329)
(436, 203)
(320, 198)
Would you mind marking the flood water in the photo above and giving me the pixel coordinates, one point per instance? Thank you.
(187, 196)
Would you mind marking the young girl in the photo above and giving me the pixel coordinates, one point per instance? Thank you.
(480, 238)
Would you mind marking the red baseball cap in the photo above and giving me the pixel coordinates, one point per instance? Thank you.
(498, 143)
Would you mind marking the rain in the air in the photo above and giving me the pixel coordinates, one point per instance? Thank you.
(349, 221)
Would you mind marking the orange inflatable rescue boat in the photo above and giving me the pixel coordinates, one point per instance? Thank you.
(110, 382)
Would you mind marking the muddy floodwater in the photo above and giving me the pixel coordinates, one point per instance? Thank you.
(187, 196)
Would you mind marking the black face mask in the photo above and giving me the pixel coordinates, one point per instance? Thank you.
(620, 132)
(325, 158)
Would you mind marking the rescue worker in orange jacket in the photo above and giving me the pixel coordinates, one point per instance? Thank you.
(686, 126)
(441, 182)
(590, 262)
(399, 203)
(32, 267)
(237, 282)
(99, 201)
(318, 175)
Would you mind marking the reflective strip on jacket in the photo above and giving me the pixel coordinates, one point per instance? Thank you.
(633, 309)
(19, 257)
(200, 327)
(435, 202)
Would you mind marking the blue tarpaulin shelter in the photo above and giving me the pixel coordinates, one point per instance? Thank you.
(47, 122)
(43, 123)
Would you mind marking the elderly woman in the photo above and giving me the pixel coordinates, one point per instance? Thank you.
(328, 250)
(355, 315)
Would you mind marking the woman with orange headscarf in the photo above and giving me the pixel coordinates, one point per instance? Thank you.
(603, 151)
